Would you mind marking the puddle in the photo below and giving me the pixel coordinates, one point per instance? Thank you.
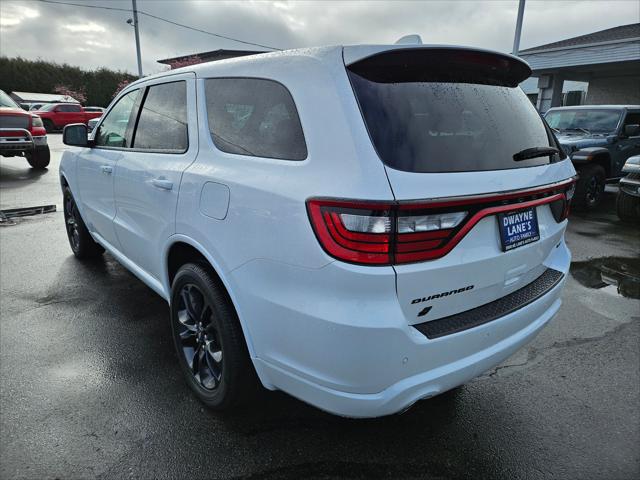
(615, 275)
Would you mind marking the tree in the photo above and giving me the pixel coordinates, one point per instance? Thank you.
(120, 87)
(39, 76)
(80, 95)
(185, 62)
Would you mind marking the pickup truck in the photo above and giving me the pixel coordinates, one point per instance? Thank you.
(56, 116)
(22, 134)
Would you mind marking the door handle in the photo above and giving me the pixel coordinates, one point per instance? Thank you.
(162, 183)
(108, 169)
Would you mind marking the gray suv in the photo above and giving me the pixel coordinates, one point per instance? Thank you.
(598, 139)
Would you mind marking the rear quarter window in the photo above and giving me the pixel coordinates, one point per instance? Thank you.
(254, 117)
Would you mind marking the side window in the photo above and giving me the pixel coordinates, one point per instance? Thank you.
(69, 108)
(112, 131)
(633, 118)
(163, 119)
(255, 117)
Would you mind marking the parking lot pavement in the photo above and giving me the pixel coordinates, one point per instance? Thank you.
(90, 386)
(22, 186)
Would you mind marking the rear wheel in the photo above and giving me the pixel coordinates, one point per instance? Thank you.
(82, 245)
(627, 207)
(589, 187)
(39, 157)
(208, 339)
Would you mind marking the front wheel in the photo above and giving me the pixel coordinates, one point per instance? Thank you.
(208, 339)
(39, 157)
(48, 125)
(589, 187)
(82, 245)
(627, 207)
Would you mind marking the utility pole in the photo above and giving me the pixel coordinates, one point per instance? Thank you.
(135, 26)
(516, 38)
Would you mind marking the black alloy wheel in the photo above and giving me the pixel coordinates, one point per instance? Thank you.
(208, 338)
(198, 337)
(80, 240)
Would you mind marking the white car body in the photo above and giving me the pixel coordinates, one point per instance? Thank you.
(337, 335)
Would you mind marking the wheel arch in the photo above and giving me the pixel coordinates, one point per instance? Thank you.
(181, 249)
(595, 155)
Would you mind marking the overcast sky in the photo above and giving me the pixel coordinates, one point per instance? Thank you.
(91, 38)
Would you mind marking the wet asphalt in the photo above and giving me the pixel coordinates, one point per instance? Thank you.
(90, 385)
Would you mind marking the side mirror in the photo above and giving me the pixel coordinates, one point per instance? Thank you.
(631, 130)
(75, 135)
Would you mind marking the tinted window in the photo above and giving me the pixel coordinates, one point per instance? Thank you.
(7, 101)
(448, 116)
(632, 118)
(596, 120)
(48, 107)
(112, 131)
(450, 127)
(69, 108)
(256, 117)
(163, 119)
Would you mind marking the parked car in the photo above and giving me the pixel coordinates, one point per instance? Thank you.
(56, 115)
(22, 134)
(362, 227)
(91, 124)
(628, 198)
(36, 106)
(599, 139)
(94, 109)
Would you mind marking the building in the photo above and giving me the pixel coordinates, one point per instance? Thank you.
(212, 56)
(608, 60)
(30, 97)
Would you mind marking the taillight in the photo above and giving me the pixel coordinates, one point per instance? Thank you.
(354, 232)
(389, 233)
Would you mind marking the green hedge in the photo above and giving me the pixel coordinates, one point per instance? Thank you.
(18, 74)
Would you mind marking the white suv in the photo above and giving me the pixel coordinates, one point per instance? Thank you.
(361, 227)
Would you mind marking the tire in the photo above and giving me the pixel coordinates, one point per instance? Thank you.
(208, 339)
(589, 187)
(48, 125)
(627, 207)
(39, 158)
(82, 244)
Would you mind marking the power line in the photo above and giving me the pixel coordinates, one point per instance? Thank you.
(140, 12)
(204, 31)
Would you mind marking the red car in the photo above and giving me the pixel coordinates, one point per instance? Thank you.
(22, 134)
(56, 116)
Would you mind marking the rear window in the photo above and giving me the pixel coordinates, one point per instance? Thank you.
(254, 117)
(454, 111)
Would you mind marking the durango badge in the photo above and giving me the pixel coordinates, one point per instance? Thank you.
(443, 294)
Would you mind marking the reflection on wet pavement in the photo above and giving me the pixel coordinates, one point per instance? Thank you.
(616, 275)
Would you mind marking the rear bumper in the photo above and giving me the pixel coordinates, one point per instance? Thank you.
(340, 341)
(526, 322)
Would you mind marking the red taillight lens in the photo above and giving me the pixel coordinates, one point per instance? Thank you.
(354, 232)
(381, 233)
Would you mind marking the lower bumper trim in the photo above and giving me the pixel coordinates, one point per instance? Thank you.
(491, 311)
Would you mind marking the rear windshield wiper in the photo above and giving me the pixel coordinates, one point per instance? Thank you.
(534, 153)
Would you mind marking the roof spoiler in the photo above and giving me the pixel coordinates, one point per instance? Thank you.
(400, 63)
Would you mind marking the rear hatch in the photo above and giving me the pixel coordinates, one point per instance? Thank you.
(472, 167)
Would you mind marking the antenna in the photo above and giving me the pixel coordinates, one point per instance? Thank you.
(413, 39)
